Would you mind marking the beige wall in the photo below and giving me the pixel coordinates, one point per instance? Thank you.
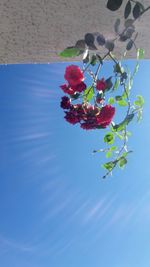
(35, 30)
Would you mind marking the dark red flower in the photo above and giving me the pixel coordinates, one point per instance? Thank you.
(88, 126)
(101, 85)
(72, 117)
(66, 89)
(105, 116)
(73, 75)
(65, 102)
(79, 87)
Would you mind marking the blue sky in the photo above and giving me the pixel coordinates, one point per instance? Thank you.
(55, 210)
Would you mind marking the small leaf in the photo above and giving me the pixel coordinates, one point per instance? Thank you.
(110, 45)
(93, 60)
(129, 45)
(113, 5)
(88, 94)
(140, 101)
(136, 11)
(121, 126)
(140, 53)
(101, 39)
(127, 10)
(122, 103)
(113, 148)
(111, 101)
(116, 85)
(109, 165)
(122, 162)
(109, 138)
(116, 25)
(70, 52)
(108, 154)
(119, 136)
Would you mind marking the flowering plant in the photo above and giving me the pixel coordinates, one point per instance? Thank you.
(94, 106)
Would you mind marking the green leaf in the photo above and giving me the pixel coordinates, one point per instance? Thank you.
(113, 148)
(140, 53)
(88, 94)
(93, 60)
(121, 126)
(119, 136)
(122, 162)
(139, 102)
(136, 69)
(109, 138)
(108, 154)
(109, 165)
(111, 101)
(122, 103)
(116, 85)
(70, 52)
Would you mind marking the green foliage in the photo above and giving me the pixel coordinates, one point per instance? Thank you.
(122, 162)
(111, 101)
(88, 94)
(109, 165)
(140, 53)
(109, 138)
(139, 102)
(121, 126)
(70, 52)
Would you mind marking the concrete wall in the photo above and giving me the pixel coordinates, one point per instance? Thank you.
(34, 31)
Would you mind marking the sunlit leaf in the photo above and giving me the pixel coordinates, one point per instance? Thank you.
(109, 138)
(111, 101)
(70, 52)
(122, 103)
(88, 94)
(109, 154)
(122, 162)
(109, 165)
(140, 53)
(140, 101)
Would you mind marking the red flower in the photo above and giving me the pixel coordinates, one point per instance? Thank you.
(72, 117)
(65, 102)
(87, 126)
(79, 87)
(101, 85)
(73, 75)
(105, 116)
(66, 89)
